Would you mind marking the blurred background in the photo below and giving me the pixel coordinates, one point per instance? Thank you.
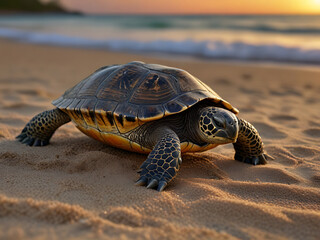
(247, 30)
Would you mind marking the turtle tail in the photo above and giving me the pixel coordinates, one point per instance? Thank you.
(41, 127)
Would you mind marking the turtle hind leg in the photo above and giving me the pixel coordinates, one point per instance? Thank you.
(163, 162)
(249, 146)
(41, 127)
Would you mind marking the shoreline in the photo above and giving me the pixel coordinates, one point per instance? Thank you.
(184, 57)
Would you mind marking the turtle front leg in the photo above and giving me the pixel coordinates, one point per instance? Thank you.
(249, 146)
(163, 162)
(41, 127)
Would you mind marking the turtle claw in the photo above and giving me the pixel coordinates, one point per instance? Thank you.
(263, 159)
(153, 183)
(254, 160)
(27, 141)
(38, 143)
(31, 141)
(267, 156)
(161, 186)
(21, 137)
(141, 181)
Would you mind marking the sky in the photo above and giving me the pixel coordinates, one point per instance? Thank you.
(194, 6)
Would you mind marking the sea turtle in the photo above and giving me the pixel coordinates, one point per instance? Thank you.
(153, 109)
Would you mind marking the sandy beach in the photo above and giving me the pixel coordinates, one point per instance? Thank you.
(78, 188)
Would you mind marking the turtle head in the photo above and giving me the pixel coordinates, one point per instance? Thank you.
(217, 125)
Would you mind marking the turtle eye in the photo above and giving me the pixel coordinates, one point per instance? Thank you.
(218, 122)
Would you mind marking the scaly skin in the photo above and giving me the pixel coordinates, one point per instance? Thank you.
(163, 162)
(249, 146)
(40, 128)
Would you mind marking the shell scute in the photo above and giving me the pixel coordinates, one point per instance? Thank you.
(104, 115)
(188, 99)
(90, 87)
(65, 103)
(125, 116)
(73, 114)
(187, 81)
(119, 84)
(155, 89)
(174, 107)
(88, 112)
(150, 112)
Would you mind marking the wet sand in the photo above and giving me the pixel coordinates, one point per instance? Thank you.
(78, 188)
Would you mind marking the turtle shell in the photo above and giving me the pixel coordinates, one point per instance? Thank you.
(118, 98)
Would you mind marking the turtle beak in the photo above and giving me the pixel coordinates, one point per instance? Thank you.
(233, 134)
(231, 129)
(229, 134)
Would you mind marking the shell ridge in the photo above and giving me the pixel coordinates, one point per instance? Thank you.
(95, 116)
(138, 85)
(114, 117)
(111, 73)
(86, 112)
(176, 85)
(78, 111)
(78, 86)
(155, 89)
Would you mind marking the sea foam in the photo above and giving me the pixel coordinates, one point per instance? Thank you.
(213, 49)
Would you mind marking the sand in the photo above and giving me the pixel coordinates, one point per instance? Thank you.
(78, 188)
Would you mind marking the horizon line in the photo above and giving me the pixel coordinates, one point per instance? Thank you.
(156, 14)
(199, 14)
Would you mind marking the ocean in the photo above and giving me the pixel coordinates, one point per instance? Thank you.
(279, 38)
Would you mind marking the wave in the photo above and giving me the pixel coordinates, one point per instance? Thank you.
(270, 24)
(216, 25)
(268, 28)
(276, 29)
(288, 25)
(207, 49)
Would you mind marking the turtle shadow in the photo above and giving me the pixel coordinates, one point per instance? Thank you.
(197, 165)
(82, 154)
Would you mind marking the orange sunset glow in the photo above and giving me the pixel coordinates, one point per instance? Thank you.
(195, 7)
